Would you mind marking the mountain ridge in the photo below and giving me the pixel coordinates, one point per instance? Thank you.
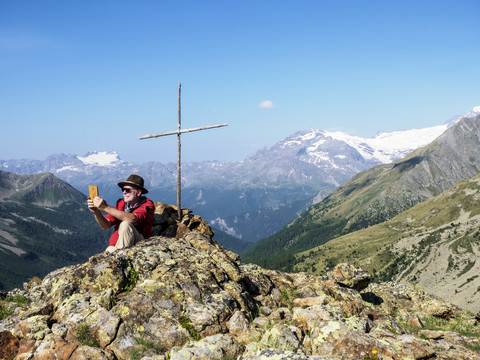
(43, 220)
(275, 184)
(379, 193)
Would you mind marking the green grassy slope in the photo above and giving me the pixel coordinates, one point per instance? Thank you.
(435, 244)
(377, 195)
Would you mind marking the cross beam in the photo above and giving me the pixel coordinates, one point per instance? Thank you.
(181, 131)
(178, 133)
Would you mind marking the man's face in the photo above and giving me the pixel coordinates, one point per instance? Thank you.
(131, 194)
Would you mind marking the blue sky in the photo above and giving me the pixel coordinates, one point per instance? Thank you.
(77, 76)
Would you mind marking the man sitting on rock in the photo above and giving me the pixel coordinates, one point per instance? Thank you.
(132, 215)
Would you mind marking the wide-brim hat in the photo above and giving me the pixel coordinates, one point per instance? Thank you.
(135, 180)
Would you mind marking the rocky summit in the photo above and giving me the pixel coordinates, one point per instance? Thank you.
(186, 297)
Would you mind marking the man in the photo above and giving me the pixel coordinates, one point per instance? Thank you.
(132, 216)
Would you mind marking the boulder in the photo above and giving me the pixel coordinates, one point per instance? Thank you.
(215, 347)
(166, 222)
(9, 345)
(350, 276)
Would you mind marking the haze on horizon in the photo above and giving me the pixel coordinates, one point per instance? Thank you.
(86, 76)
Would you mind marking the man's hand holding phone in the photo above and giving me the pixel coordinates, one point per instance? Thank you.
(99, 203)
(94, 202)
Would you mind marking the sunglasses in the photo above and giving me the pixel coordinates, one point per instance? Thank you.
(127, 190)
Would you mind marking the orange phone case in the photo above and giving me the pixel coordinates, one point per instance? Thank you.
(92, 191)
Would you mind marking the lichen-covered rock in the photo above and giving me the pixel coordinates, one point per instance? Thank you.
(404, 299)
(166, 222)
(350, 276)
(283, 337)
(26, 349)
(215, 347)
(310, 301)
(9, 345)
(53, 347)
(91, 353)
(35, 327)
(238, 324)
(188, 298)
(274, 354)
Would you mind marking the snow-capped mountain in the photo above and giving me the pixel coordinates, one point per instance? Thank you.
(386, 147)
(102, 158)
(334, 157)
(79, 163)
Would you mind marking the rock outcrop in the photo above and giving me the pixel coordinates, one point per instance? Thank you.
(166, 222)
(189, 298)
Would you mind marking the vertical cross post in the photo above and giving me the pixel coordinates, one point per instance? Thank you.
(179, 163)
(179, 146)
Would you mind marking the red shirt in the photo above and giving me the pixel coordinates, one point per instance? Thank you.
(143, 211)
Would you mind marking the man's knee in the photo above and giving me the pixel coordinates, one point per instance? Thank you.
(110, 249)
(128, 235)
(125, 225)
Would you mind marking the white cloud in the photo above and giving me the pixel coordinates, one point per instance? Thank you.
(267, 104)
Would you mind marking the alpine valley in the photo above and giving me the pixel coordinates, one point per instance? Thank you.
(44, 225)
(413, 220)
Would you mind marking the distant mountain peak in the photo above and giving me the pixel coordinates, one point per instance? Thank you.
(384, 147)
(471, 114)
(474, 112)
(101, 158)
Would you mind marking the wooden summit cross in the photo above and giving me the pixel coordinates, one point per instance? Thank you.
(178, 132)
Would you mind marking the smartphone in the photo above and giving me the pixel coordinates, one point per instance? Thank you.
(92, 191)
